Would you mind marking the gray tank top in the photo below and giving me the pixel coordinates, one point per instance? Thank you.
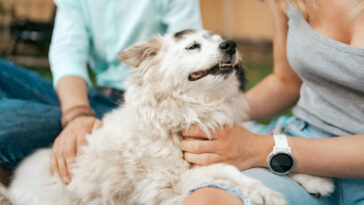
(332, 93)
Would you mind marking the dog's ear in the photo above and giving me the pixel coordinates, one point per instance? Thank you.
(139, 52)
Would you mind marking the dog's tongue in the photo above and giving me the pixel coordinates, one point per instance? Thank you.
(197, 74)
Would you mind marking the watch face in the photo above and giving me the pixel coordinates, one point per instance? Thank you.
(281, 163)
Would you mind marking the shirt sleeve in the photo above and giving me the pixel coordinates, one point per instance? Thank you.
(69, 50)
(181, 14)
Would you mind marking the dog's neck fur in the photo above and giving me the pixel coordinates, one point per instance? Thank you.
(176, 111)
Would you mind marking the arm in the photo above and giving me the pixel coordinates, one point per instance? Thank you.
(333, 157)
(72, 91)
(330, 154)
(279, 90)
(68, 57)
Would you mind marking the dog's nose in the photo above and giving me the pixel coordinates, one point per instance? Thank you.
(228, 47)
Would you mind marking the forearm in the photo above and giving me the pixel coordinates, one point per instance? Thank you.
(271, 96)
(72, 91)
(332, 157)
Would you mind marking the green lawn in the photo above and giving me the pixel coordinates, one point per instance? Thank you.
(255, 72)
(44, 72)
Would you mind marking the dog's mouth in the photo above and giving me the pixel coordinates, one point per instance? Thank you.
(218, 69)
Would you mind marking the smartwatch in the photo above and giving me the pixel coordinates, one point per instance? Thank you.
(280, 160)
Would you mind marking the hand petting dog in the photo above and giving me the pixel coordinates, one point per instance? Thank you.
(236, 146)
(67, 145)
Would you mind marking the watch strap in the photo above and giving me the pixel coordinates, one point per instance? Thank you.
(281, 143)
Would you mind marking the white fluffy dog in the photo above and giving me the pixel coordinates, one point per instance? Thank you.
(179, 80)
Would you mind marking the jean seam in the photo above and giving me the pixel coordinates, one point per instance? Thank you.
(28, 88)
(340, 193)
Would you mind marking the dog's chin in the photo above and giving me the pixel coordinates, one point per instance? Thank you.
(220, 69)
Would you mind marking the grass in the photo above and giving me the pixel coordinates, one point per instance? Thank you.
(255, 72)
(44, 72)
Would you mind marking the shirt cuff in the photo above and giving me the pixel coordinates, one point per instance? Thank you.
(62, 70)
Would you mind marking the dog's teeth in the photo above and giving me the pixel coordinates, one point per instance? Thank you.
(222, 65)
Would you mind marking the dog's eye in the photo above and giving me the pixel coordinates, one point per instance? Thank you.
(193, 46)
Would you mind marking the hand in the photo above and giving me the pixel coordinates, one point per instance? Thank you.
(236, 146)
(68, 144)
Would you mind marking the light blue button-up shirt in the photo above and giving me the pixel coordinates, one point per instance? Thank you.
(93, 32)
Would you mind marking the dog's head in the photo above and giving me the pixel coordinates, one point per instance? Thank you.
(184, 61)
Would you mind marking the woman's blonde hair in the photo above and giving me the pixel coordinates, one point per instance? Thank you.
(306, 6)
(359, 7)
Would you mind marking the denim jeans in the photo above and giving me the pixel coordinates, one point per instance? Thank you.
(347, 191)
(30, 113)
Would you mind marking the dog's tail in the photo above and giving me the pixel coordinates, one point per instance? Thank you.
(4, 196)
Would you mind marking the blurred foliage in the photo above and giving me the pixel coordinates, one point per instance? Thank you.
(46, 73)
(7, 11)
(255, 72)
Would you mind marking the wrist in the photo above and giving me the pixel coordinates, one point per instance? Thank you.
(76, 112)
(267, 144)
(280, 160)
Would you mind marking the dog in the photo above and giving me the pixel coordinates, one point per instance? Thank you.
(181, 79)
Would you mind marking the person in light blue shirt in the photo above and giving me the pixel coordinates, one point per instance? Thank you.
(87, 34)
(96, 31)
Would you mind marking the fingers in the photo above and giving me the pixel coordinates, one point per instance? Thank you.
(68, 144)
(63, 156)
(69, 153)
(196, 132)
(198, 146)
(64, 153)
(53, 161)
(98, 124)
(59, 167)
(202, 159)
(63, 170)
(81, 141)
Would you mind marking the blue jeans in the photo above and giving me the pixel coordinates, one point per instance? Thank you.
(30, 113)
(347, 191)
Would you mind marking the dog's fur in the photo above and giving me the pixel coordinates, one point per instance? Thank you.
(135, 157)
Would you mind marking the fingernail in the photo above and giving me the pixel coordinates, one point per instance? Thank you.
(66, 180)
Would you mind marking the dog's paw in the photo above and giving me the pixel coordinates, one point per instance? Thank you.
(259, 194)
(314, 185)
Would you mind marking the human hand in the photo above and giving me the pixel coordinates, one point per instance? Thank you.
(67, 145)
(236, 146)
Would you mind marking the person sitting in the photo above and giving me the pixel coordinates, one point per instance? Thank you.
(86, 33)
